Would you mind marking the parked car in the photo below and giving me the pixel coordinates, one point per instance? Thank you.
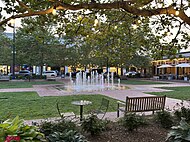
(131, 73)
(24, 73)
(49, 73)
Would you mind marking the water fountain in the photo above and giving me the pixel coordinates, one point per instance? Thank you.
(93, 83)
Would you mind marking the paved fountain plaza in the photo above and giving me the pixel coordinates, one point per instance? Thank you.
(93, 83)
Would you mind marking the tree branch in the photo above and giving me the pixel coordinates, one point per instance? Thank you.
(115, 5)
(27, 15)
(24, 6)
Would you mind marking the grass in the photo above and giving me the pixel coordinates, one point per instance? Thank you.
(23, 84)
(181, 93)
(29, 105)
(140, 82)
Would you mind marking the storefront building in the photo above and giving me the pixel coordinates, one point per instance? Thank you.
(178, 68)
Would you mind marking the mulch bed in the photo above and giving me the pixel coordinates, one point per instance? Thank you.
(116, 133)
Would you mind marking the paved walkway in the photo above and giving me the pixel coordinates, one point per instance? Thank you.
(134, 91)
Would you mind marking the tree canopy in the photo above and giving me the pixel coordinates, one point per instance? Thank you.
(26, 8)
(167, 16)
(5, 54)
(100, 32)
(36, 44)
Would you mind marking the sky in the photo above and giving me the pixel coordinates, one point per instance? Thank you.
(17, 21)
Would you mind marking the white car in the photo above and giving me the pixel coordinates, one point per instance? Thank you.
(49, 73)
(25, 73)
(131, 73)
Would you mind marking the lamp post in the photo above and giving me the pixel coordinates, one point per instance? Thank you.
(12, 25)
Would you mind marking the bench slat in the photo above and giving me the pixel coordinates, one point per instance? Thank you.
(142, 104)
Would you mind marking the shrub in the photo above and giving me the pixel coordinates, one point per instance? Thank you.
(63, 130)
(49, 127)
(179, 133)
(132, 121)
(46, 128)
(34, 76)
(20, 77)
(182, 111)
(15, 128)
(67, 136)
(164, 118)
(94, 125)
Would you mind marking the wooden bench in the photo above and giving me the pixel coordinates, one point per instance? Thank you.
(141, 104)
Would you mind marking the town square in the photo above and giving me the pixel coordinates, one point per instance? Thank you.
(89, 71)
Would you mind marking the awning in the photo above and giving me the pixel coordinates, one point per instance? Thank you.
(183, 65)
(165, 66)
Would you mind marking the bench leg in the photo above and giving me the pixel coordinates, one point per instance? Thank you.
(118, 110)
(117, 113)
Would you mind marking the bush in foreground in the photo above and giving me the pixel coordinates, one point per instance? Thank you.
(94, 125)
(16, 130)
(132, 121)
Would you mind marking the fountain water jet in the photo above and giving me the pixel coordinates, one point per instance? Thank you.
(93, 83)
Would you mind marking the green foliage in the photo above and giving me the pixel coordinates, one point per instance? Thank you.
(132, 121)
(19, 77)
(119, 44)
(36, 43)
(140, 61)
(49, 127)
(67, 136)
(63, 130)
(179, 133)
(5, 50)
(34, 76)
(164, 118)
(16, 127)
(182, 112)
(94, 125)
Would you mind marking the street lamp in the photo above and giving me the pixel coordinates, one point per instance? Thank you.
(12, 25)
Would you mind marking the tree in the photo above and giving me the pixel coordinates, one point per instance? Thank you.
(5, 50)
(79, 22)
(165, 12)
(36, 44)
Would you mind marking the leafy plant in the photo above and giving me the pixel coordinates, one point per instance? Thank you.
(132, 121)
(67, 136)
(16, 127)
(50, 127)
(94, 125)
(164, 118)
(4, 117)
(182, 111)
(34, 76)
(179, 133)
(46, 128)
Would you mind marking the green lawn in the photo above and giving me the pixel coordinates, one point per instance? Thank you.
(182, 93)
(21, 84)
(29, 105)
(140, 82)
